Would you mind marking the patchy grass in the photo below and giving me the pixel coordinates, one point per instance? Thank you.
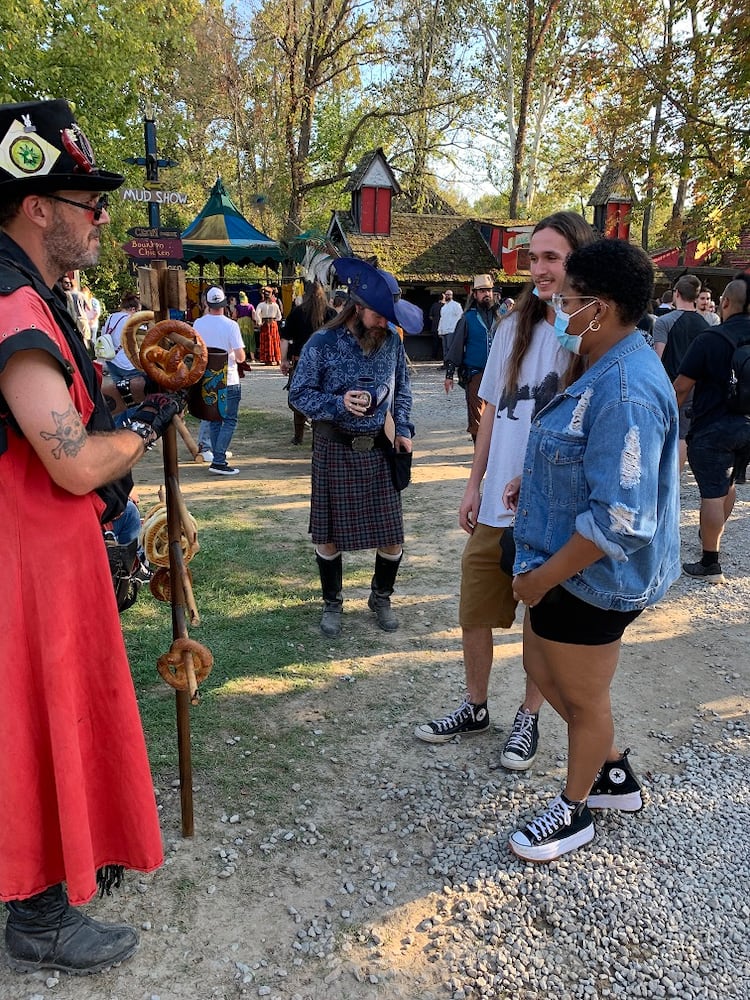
(257, 592)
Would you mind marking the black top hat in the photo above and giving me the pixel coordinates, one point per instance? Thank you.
(42, 149)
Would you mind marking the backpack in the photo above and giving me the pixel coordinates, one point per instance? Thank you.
(738, 387)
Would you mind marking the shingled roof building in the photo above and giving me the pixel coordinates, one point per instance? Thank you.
(422, 249)
(427, 251)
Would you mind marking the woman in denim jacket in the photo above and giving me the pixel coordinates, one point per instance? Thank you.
(596, 529)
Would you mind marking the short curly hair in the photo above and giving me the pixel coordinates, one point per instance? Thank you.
(616, 270)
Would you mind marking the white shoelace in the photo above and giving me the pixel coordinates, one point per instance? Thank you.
(555, 818)
(521, 737)
(459, 715)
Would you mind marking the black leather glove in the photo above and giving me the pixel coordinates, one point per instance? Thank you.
(153, 416)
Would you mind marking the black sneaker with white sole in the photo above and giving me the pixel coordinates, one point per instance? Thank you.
(709, 574)
(465, 721)
(563, 827)
(616, 787)
(223, 469)
(520, 747)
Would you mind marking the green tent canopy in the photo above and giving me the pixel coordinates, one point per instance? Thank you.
(221, 235)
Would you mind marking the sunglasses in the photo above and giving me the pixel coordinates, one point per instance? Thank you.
(99, 206)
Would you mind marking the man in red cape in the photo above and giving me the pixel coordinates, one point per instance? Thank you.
(76, 791)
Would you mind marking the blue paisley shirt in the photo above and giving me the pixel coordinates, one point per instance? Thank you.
(332, 362)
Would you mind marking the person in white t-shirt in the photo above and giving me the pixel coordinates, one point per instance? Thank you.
(450, 314)
(217, 330)
(525, 370)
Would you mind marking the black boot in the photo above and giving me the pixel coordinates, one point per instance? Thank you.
(382, 584)
(46, 932)
(331, 578)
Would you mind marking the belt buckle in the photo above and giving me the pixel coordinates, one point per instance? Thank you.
(363, 443)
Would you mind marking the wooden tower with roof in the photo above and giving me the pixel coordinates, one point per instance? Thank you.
(613, 200)
(373, 185)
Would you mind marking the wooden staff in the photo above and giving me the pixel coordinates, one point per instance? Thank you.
(179, 626)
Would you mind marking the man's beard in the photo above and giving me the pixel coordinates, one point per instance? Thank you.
(67, 250)
(369, 338)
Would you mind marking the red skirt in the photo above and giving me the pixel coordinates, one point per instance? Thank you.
(75, 785)
(269, 352)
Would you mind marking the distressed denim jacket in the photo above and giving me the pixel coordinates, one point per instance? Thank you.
(602, 460)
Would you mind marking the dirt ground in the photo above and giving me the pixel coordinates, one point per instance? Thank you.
(330, 900)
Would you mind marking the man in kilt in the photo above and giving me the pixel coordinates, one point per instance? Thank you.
(352, 381)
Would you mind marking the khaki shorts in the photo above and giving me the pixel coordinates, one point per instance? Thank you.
(486, 592)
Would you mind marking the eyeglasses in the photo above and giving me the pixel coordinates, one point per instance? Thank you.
(99, 206)
(559, 301)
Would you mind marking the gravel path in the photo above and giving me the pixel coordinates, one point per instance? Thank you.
(386, 873)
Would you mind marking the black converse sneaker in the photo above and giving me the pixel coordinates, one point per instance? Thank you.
(616, 787)
(520, 747)
(561, 828)
(465, 721)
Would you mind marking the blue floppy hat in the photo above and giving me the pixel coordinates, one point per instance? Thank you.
(379, 291)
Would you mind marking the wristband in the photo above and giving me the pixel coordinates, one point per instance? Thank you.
(144, 431)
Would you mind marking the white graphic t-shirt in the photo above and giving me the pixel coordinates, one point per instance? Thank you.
(539, 381)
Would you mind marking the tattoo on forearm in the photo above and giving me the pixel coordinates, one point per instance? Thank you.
(69, 433)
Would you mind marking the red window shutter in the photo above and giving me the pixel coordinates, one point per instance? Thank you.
(367, 209)
(383, 211)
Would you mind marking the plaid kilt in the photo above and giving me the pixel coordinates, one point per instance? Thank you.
(353, 504)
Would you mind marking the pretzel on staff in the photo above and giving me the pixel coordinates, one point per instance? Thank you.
(165, 351)
(160, 583)
(133, 335)
(187, 664)
(155, 539)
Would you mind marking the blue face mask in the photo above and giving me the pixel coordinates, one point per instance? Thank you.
(567, 340)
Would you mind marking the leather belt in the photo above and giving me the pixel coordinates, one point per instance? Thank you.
(357, 442)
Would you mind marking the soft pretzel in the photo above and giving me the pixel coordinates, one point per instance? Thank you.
(154, 509)
(155, 540)
(160, 584)
(132, 335)
(172, 666)
(164, 353)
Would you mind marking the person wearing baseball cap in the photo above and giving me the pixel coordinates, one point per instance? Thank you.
(224, 334)
(352, 381)
(77, 793)
(470, 345)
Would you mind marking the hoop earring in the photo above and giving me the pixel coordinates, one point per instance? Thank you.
(594, 325)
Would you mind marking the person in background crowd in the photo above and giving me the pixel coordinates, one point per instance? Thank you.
(352, 381)
(217, 330)
(301, 323)
(246, 321)
(93, 310)
(665, 303)
(120, 367)
(75, 785)
(450, 313)
(705, 306)
(719, 441)
(433, 318)
(673, 332)
(268, 316)
(470, 347)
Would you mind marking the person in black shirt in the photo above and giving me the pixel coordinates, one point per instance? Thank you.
(719, 440)
(301, 323)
